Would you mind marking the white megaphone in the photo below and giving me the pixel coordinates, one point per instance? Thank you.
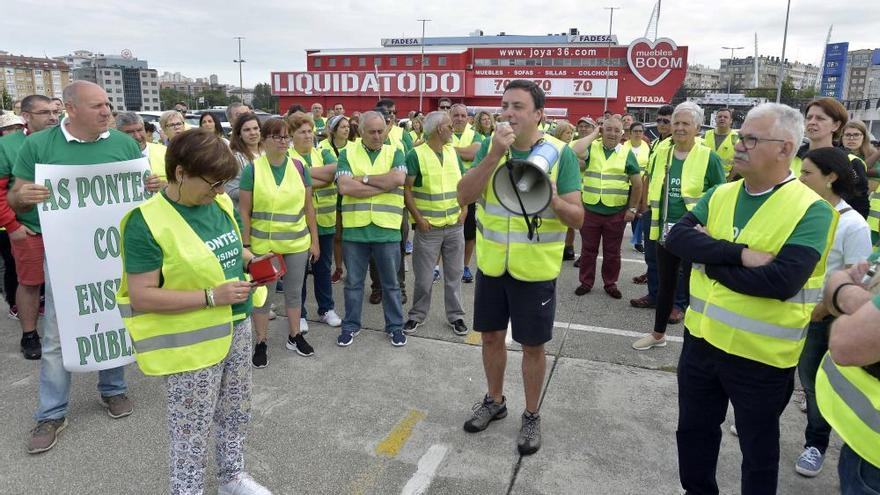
(523, 186)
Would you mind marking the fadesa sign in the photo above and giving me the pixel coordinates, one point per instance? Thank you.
(430, 83)
(652, 61)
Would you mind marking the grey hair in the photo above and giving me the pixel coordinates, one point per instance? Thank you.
(785, 118)
(432, 122)
(128, 118)
(232, 106)
(692, 108)
(457, 105)
(369, 115)
(166, 116)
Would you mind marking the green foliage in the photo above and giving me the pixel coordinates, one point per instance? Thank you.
(264, 99)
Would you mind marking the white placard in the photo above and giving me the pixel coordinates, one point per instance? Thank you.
(80, 224)
(552, 86)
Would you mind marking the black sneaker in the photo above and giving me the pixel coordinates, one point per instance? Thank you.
(484, 413)
(299, 344)
(568, 253)
(260, 359)
(31, 347)
(410, 326)
(529, 440)
(458, 327)
(403, 298)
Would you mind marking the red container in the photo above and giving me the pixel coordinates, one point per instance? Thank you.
(268, 269)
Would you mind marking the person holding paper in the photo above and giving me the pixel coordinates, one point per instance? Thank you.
(186, 302)
(82, 138)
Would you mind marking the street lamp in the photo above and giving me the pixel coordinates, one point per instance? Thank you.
(729, 68)
(240, 76)
(422, 74)
(608, 65)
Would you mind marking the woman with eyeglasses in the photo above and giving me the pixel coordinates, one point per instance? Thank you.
(340, 131)
(186, 301)
(321, 165)
(246, 147)
(172, 124)
(856, 142)
(278, 216)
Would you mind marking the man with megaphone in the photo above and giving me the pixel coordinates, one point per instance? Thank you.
(527, 188)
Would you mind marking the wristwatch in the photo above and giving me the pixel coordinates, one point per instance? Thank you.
(366, 179)
(633, 210)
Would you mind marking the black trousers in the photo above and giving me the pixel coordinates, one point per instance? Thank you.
(673, 286)
(707, 379)
(10, 278)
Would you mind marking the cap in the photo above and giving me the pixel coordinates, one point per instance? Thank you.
(9, 119)
(587, 120)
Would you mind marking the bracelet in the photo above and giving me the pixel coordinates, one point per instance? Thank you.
(209, 297)
(834, 297)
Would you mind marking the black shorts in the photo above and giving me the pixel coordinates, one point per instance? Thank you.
(530, 307)
(470, 223)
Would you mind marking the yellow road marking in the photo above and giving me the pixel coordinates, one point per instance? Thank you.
(391, 445)
(473, 338)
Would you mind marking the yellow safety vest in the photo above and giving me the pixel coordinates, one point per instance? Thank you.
(466, 139)
(414, 136)
(658, 152)
(693, 178)
(384, 210)
(437, 197)
(849, 399)
(325, 196)
(502, 236)
(725, 151)
(278, 219)
(396, 136)
(156, 156)
(604, 179)
(174, 343)
(757, 328)
(641, 156)
(796, 164)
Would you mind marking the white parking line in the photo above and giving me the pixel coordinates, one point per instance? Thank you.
(426, 471)
(628, 260)
(608, 331)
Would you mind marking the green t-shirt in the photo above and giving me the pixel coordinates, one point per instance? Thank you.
(320, 123)
(568, 179)
(210, 223)
(714, 176)
(413, 169)
(407, 142)
(632, 168)
(811, 231)
(51, 147)
(370, 233)
(10, 144)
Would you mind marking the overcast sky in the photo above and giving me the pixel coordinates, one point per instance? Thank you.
(195, 37)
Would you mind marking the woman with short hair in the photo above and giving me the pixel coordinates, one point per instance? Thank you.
(186, 301)
(172, 124)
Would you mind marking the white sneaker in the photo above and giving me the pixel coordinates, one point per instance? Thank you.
(303, 326)
(648, 341)
(243, 485)
(331, 318)
(272, 314)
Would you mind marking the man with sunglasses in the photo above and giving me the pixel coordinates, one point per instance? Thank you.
(758, 248)
(23, 244)
(722, 139)
(444, 104)
(82, 138)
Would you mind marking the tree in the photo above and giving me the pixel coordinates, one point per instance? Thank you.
(264, 99)
(5, 100)
(170, 96)
(214, 97)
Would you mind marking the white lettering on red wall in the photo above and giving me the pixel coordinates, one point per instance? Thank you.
(432, 83)
(652, 61)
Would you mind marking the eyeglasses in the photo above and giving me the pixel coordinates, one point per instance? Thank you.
(661, 120)
(46, 112)
(175, 124)
(279, 139)
(214, 185)
(749, 142)
(853, 136)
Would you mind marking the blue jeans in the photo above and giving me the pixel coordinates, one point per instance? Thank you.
(638, 233)
(357, 260)
(857, 476)
(321, 275)
(54, 379)
(818, 431)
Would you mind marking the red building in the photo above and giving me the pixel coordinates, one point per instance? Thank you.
(577, 72)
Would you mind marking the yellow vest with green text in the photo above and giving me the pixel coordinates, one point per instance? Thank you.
(605, 179)
(725, 151)
(849, 399)
(641, 156)
(278, 220)
(324, 197)
(502, 237)
(466, 139)
(174, 343)
(766, 330)
(693, 178)
(384, 210)
(437, 197)
(156, 155)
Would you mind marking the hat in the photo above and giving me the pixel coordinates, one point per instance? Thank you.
(587, 120)
(9, 119)
(334, 121)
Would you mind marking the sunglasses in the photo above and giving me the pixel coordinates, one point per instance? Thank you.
(661, 120)
(445, 107)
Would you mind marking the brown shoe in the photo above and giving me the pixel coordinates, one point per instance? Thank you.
(376, 297)
(582, 289)
(643, 302)
(614, 292)
(641, 279)
(675, 316)
(44, 436)
(118, 406)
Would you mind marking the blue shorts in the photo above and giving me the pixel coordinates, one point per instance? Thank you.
(530, 307)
